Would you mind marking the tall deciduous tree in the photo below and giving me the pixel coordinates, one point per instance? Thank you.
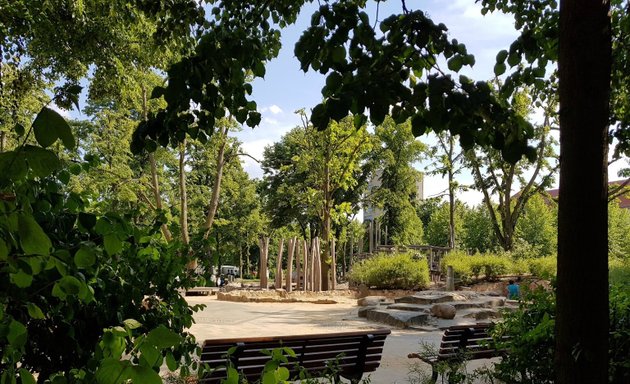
(399, 180)
(514, 183)
(538, 225)
(309, 171)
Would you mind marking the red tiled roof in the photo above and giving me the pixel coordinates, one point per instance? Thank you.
(624, 200)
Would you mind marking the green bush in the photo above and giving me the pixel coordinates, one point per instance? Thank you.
(544, 267)
(470, 267)
(619, 271)
(528, 334)
(391, 271)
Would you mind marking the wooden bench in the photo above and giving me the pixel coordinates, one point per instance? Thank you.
(351, 353)
(459, 344)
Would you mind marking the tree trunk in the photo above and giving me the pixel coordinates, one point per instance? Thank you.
(154, 178)
(278, 280)
(216, 189)
(183, 199)
(584, 71)
(325, 260)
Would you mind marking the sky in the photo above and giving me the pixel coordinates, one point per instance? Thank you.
(286, 88)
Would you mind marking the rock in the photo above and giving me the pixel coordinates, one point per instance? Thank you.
(396, 318)
(371, 301)
(362, 312)
(429, 299)
(409, 307)
(483, 314)
(443, 311)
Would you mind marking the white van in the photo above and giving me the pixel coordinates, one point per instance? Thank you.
(230, 270)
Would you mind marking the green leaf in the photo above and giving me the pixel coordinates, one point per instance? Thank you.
(21, 279)
(232, 376)
(151, 354)
(171, 363)
(113, 371)
(455, 63)
(12, 166)
(26, 377)
(87, 220)
(4, 250)
(17, 334)
(501, 56)
(283, 374)
(84, 257)
(132, 324)
(75, 168)
(162, 337)
(50, 126)
(259, 69)
(499, 69)
(514, 59)
(34, 311)
(33, 240)
(112, 244)
(144, 375)
(338, 54)
(269, 378)
(43, 162)
(19, 129)
(67, 285)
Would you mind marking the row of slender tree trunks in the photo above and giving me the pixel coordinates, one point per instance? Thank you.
(303, 265)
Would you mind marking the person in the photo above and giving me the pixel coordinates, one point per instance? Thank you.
(513, 291)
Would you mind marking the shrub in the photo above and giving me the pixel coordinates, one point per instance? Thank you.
(544, 267)
(530, 338)
(619, 271)
(467, 267)
(391, 271)
(528, 333)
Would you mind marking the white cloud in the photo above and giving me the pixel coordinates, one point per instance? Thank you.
(275, 109)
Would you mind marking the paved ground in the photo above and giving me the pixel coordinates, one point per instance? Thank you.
(221, 319)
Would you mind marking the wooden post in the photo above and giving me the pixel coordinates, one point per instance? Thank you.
(288, 282)
(333, 269)
(298, 269)
(305, 279)
(262, 272)
(278, 279)
(378, 233)
(317, 275)
(371, 237)
(450, 278)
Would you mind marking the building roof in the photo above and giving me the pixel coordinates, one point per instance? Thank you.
(624, 200)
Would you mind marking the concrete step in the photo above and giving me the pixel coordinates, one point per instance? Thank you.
(410, 307)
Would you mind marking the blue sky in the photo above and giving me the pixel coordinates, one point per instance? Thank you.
(286, 88)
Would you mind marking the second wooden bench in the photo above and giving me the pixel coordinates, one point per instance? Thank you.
(350, 353)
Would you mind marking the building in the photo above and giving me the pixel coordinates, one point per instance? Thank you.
(624, 199)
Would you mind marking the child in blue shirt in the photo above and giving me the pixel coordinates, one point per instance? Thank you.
(513, 291)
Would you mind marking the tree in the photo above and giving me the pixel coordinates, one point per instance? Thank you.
(307, 174)
(478, 235)
(448, 158)
(492, 175)
(438, 229)
(618, 231)
(538, 225)
(398, 189)
(584, 63)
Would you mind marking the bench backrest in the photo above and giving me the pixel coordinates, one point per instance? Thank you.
(473, 341)
(352, 353)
